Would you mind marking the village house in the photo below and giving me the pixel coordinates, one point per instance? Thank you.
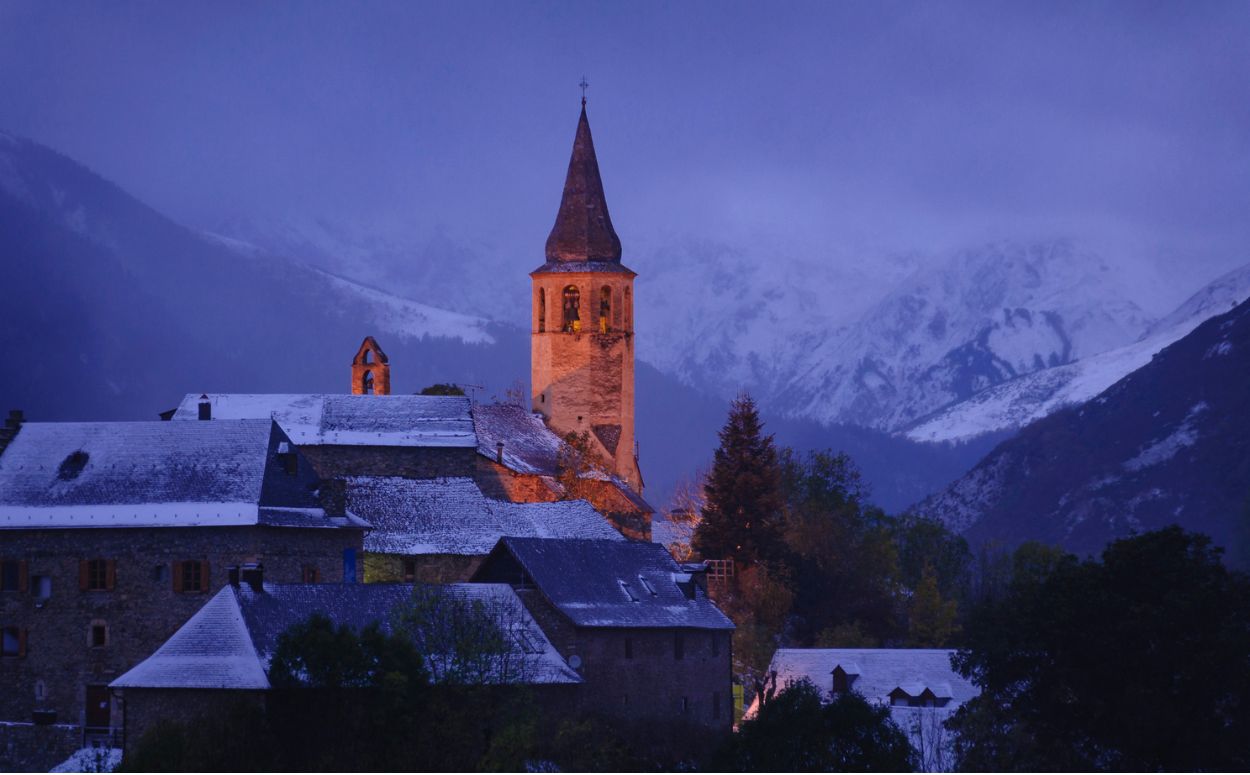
(440, 530)
(223, 653)
(920, 687)
(113, 534)
(642, 633)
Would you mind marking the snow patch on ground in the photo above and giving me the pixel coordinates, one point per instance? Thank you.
(1186, 435)
(91, 760)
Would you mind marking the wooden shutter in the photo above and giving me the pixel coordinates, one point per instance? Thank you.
(204, 586)
(177, 574)
(23, 576)
(110, 577)
(82, 574)
(21, 642)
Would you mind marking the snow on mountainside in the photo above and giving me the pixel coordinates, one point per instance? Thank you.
(1018, 402)
(980, 319)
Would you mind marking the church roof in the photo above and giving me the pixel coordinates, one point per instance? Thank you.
(583, 232)
(228, 644)
(599, 583)
(452, 516)
(348, 420)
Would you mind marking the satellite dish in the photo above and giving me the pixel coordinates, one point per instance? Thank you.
(575, 662)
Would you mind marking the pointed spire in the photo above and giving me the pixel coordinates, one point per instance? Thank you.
(583, 230)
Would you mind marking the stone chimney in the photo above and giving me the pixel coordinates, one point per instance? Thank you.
(11, 426)
(206, 408)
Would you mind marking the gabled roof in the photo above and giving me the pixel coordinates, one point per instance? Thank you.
(348, 420)
(452, 516)
(229, 642)
(530, 447)
(583, 230)
(152, 474)
(599, 583)
(880, 672)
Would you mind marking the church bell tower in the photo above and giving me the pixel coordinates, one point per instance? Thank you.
(582, 341)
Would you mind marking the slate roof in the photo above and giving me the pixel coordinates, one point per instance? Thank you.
(599, 583)
(530, 447)
(876, 673)
(229, 642)
(452, 516)
(152, 474)
(583, 230)
(348, 420)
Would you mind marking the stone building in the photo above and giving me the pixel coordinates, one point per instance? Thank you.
(113, 534)
(439, 530)
(582, 340)
(645, 638)
(223, 652)
(371, 370)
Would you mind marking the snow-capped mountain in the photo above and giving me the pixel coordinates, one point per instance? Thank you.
(1169, 443)
(1018, 402)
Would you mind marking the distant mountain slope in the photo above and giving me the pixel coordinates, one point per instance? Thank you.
(109, 310)
(1170, 443)
(1020, 401)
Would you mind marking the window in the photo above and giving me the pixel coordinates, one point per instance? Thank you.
(542, 310)
(13, 642)
(410, 571)
(311, 575)
(629, 648)
(605, 309)
(685, 704)
(41, 586)
(98, 634)
(191, 576)
(97, 575)
(572, 304)
(12, 576)
(160, 572)
(679, 646)
(349, 565)
(715, 705)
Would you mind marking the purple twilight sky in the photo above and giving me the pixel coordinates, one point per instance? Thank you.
(915, 125)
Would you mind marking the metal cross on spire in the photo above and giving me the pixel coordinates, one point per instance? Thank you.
(583, 84)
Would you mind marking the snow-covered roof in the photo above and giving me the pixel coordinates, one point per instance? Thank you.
(348, 420)
(229, 642)
(151, 474)
(530, 447)
(452, 516)
(877, 672)
(598, 583)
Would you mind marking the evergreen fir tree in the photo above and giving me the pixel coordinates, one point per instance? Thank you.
(742, 519)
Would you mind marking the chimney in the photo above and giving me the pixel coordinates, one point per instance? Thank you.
(11, 426)
(206, 408)
(253, 575)
(232, 575)
(499, 452)
(333, 497)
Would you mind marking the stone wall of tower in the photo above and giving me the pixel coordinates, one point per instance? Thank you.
(583, 379)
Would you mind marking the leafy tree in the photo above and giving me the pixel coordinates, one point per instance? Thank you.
(442, 389)
(1136, 662)
(931, 620)
(742, 518)
(797, 731)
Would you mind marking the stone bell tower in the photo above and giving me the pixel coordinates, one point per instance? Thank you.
(371, 370)
(582, 345)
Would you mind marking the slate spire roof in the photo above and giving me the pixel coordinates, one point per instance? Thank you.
(583, 230)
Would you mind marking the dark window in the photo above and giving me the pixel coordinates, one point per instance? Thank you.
(542, 310)
(349, 565)
(605, 309)
(12, 642)
(99, 635)
(41, 587)
(192, 576)
(410, 570)
(98, 576)
(629, 648)
(572, 304)
(679, 646)
(311, 575)
(10, 576)
(715, 705)
(160, 572)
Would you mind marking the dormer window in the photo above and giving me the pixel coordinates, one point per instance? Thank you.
(629, 593)
(841, 680)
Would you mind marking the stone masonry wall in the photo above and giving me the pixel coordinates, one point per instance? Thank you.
(141, 611)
